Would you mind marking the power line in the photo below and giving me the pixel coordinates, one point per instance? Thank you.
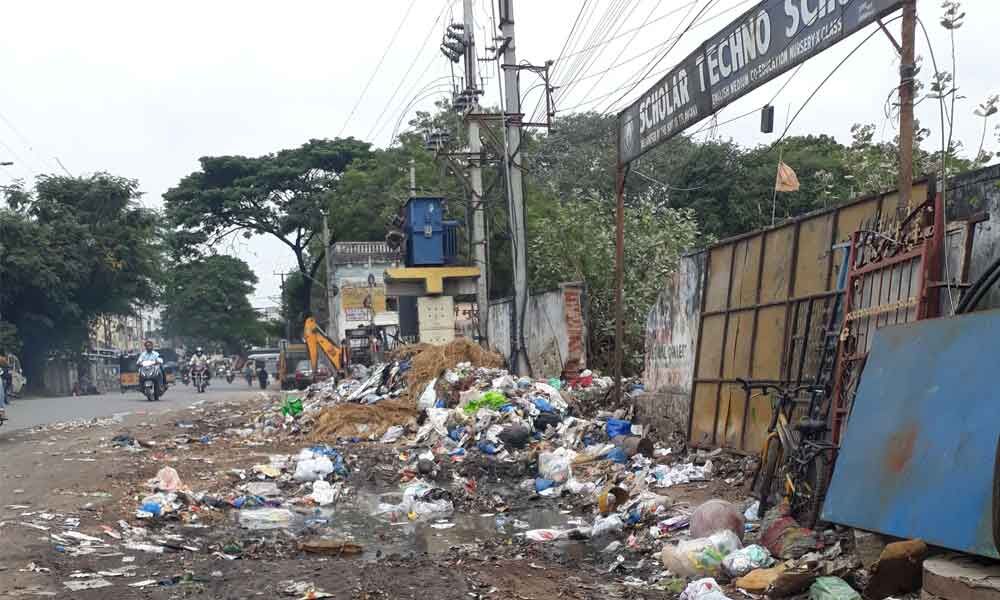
(378, 66)
(562, 51)
(406, 75)
(665, 54)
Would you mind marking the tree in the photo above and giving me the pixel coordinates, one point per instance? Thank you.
(284, 195)
(576, 242)
(205, 303)
(72, 249)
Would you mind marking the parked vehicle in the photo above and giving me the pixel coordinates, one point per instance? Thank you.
(151, 379)
(128, 373)
(304, 374)
(289, 358)
(14, 379)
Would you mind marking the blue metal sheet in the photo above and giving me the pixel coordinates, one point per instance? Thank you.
(917, 460)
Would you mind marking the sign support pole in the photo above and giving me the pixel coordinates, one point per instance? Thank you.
(620, 173)
(907, 70)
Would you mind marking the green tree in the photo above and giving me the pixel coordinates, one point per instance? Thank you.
(576, 242)
(284, 195)
(205, 303)
(71, 249)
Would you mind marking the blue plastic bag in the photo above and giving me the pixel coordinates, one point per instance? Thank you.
(616, 427)
(543, 405)
(543, 484)
(617, 455)
(486, 447)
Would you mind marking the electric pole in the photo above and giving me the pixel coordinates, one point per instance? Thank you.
(284, 298)
(476, 177)
(333, 326)
(515, 188)
(907, 69)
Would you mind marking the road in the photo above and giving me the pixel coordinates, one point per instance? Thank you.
(31, 412)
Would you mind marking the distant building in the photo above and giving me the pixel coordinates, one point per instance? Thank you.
(270, 314)
(359, 278)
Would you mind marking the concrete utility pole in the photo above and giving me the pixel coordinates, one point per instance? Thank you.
(515, 186)
(476, 178)
(906, 74)
(413, 178)
(284, 296)
(333, 326)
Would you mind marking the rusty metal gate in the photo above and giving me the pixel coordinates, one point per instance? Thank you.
(763, 316)
(894, 269)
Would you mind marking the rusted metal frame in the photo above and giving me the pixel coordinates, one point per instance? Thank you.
(932, 264)
(793, 263)
(753, 338)
(970, 235)
(724, 380)
(876, 266)
(722, 355)
(836, 415)
(762, 305)
(805, 341)
(791, 338)
(697, 349)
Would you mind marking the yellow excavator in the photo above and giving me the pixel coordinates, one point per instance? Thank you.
(316, 340)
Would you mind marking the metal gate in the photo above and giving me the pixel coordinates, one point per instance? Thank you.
(894, 269)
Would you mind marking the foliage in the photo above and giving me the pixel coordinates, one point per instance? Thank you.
(205, 303)
(576, 242)
(71, 249)
(284, 195)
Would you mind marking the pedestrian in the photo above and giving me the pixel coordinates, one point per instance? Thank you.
(3, 400)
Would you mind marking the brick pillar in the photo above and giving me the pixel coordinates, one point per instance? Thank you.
(576, 330)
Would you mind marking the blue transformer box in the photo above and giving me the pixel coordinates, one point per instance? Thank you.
(430, 240)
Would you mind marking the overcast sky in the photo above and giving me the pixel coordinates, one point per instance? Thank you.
(144, 89)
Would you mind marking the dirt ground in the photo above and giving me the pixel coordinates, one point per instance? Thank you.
(57, 483)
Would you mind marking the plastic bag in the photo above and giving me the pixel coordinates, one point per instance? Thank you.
(429, 396)
(607, 525)
(556, 465)
(167, 480)
(703, 589)
(492, 399)
(392, 434)
(544, 535)
(292, 407)
(323, 493)
(741, 562)
(716, 515)
(701, 556)
(616, 427)
(311, 469)
(832, 588)
(265, 518)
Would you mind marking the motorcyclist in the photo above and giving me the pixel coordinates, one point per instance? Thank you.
(149, 354)
(199, 361)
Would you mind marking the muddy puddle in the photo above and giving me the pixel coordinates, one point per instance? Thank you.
(356, 518)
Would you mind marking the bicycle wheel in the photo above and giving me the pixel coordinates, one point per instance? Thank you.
(807, 503)
(766, 479)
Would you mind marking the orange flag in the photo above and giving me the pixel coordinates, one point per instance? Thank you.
(786, 180)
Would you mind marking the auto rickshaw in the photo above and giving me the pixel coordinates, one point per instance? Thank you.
(128, 372)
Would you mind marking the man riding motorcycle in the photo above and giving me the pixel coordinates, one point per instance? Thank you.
(199, 362)
(150, 354)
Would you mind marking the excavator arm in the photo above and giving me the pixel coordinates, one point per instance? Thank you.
(317, 340)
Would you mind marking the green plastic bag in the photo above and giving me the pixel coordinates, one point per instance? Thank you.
(832, 588)
(292, 406)
(492, 400)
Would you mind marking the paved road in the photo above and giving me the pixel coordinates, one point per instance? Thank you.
(29, 412)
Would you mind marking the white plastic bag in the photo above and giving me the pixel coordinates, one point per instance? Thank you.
(700, 556)
(311, 469)
(703, 589)
(555, 465)
(607, 526)
(740, 562)
(429, 397)
(323, 493)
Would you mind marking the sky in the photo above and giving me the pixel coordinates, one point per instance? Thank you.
(144, 89)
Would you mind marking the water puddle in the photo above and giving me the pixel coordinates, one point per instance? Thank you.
(354, 518)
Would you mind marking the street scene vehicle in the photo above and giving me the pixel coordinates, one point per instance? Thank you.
(151, 380)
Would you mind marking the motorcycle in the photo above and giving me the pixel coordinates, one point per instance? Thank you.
(199, 375)
(151, 379)
(230, 375)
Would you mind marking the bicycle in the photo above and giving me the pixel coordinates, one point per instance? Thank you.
(796, 458)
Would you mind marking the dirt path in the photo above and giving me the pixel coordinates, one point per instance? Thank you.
(59, 484)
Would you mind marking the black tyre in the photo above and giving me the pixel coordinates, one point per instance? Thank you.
(766, 484)
(807, 503)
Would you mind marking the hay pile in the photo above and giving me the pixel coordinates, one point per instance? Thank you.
(362, 420)
(432, 361)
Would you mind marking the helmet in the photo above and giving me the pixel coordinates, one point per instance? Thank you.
(198, 350)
